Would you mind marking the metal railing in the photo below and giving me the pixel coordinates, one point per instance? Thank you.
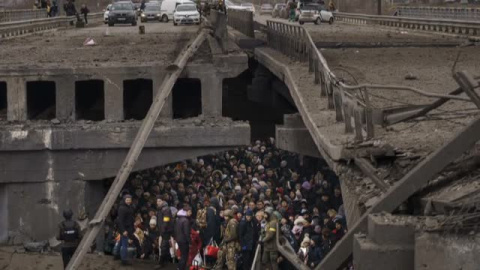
(470, 28)
(13, 29)
(296, 42)
(242, 21)
(453, 13)
(14, 15)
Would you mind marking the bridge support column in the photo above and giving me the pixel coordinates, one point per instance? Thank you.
(65, 96)
(167, 110)
(114, 98)
(17, 99)
(211, 95)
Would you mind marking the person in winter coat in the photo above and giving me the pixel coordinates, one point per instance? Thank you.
(270, 250)
(69, 233)
(182, 236)
(125, 220)
(150, 243)
(315, 255)
(165, 229)
(195, 246)
(304, 249)
(247, 241)
(214, 222)
(84, 11)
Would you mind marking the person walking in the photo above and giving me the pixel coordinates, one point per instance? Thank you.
(84, 11)
(125, 221)
(165, 229)
(270, 250)
(229, 246)
(69, 233)
(182, 236)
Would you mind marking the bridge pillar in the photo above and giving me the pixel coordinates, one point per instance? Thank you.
(65, 96)
(211, 95)
(16, 94)
(167, 110)
(114, 100)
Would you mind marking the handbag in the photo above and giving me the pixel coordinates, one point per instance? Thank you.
(211, 250)
(198, 259)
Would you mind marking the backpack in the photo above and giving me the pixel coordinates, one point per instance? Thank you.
(202, 218)
(69, 231)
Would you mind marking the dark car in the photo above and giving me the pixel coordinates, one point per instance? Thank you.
(122, 12)
(151, 12)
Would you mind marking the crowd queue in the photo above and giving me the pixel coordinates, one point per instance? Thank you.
(213, 212)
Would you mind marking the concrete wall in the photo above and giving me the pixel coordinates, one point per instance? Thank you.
(357, 6)
(447, 251)
(3, 213)
(34, 209)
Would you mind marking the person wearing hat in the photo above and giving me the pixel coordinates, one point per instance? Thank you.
(125, 221)
(230, 245)
(270, 250)
(248, 235)
(165, 229)
(69, 233)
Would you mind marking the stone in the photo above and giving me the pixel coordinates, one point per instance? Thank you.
(411, 77)
(36, 246)
(55, 121)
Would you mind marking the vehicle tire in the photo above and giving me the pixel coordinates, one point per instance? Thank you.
(330, 21)
(134, 23)
(165, 18)
(318, 21)
(301, 22)
(110, 24)
(175, 24)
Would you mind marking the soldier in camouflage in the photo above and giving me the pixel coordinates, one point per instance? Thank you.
(230, 245)
(270, 250)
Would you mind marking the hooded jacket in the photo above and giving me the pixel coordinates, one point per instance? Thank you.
(182, 228)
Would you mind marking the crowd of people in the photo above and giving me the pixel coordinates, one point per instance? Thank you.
(236, 200)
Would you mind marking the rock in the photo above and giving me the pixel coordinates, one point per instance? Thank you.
(36, 246)
(18, 238)
(411, 77)
(55, 121)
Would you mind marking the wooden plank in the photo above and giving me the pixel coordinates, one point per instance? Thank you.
(135, 150)
(468, 84)
(403, 189)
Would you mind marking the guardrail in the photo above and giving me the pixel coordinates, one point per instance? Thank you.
(469, 28)
(296, 42)
(454, 13)
(13, 29)
(218, 21)
(22, 14)
(241, 20)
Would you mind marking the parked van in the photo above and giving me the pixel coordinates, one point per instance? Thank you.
(168, 8)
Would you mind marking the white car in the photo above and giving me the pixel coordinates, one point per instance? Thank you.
(186, 14)
(231, 5)
(248, 6)
(315, 13)
(105, 14)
